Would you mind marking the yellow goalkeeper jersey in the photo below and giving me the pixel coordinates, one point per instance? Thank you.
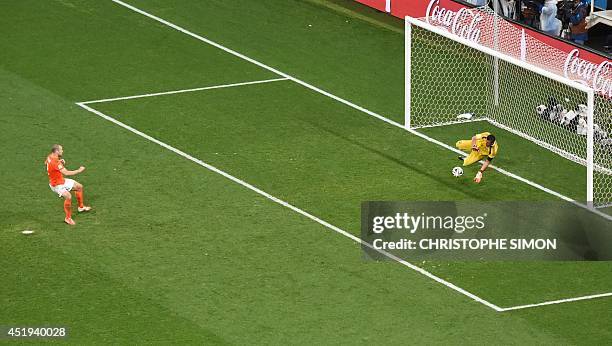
(481, 143)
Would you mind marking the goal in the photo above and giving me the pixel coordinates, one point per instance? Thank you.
(458, 72)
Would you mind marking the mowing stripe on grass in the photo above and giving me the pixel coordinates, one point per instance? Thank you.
(332, 227)
(352, 105)
(364, 110)
(185, 90)
(290, 206)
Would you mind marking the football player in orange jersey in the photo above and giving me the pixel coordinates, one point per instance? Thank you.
(58, 184)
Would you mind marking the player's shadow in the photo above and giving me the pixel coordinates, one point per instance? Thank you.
(396, 160)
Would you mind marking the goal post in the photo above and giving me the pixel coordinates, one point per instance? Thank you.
(407, 70)
(447, 75)
(590, 152)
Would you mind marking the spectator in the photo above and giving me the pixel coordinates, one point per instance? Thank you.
(506, 8)
(548, 18)
(478, 3)
(578, 31)
(530, 15)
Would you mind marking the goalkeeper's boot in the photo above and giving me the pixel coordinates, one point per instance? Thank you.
(461, 158)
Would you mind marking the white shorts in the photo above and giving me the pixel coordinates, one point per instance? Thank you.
(59, 189)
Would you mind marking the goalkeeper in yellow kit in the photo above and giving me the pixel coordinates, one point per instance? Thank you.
(482, 146)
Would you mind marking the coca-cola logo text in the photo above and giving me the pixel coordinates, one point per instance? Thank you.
(463, 23)
(598, 77)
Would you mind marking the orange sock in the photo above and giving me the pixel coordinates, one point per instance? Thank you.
(67, 209)
(79, 196)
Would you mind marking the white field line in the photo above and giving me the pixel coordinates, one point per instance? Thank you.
(332, 227)
(604, 206)
(454, 122)
(290, 206)
(364, 110)
(552, 302)
(350, 104)
(185, 90)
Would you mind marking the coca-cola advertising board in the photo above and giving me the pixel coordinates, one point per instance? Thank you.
(574, 63)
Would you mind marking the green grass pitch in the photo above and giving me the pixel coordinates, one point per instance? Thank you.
(174, 253)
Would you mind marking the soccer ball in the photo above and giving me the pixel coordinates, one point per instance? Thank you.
(457, 171)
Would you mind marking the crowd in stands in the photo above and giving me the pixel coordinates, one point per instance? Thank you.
(562, 18)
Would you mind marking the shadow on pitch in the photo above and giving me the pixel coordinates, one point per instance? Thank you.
(416, 169)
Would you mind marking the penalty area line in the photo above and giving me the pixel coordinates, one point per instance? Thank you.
(366, 111)
(185, 90)
(292, 207)
(348, 103)
(560, 301)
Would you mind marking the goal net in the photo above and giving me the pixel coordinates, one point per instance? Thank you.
(457, 72)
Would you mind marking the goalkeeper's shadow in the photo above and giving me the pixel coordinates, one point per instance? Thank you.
(396, 160)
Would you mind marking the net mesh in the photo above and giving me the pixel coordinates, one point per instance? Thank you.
(449, 79)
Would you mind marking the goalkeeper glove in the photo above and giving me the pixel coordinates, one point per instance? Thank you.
(478, 177)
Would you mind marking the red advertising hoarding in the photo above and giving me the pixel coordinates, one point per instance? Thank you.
(560, 57)
(377, 4)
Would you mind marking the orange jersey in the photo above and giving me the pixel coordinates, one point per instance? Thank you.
(54, 165)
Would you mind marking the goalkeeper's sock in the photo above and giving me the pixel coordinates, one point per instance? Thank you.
(67, 208)
(79, 196)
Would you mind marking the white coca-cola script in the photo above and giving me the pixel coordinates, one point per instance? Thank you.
(597, 76)
(463, 23)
